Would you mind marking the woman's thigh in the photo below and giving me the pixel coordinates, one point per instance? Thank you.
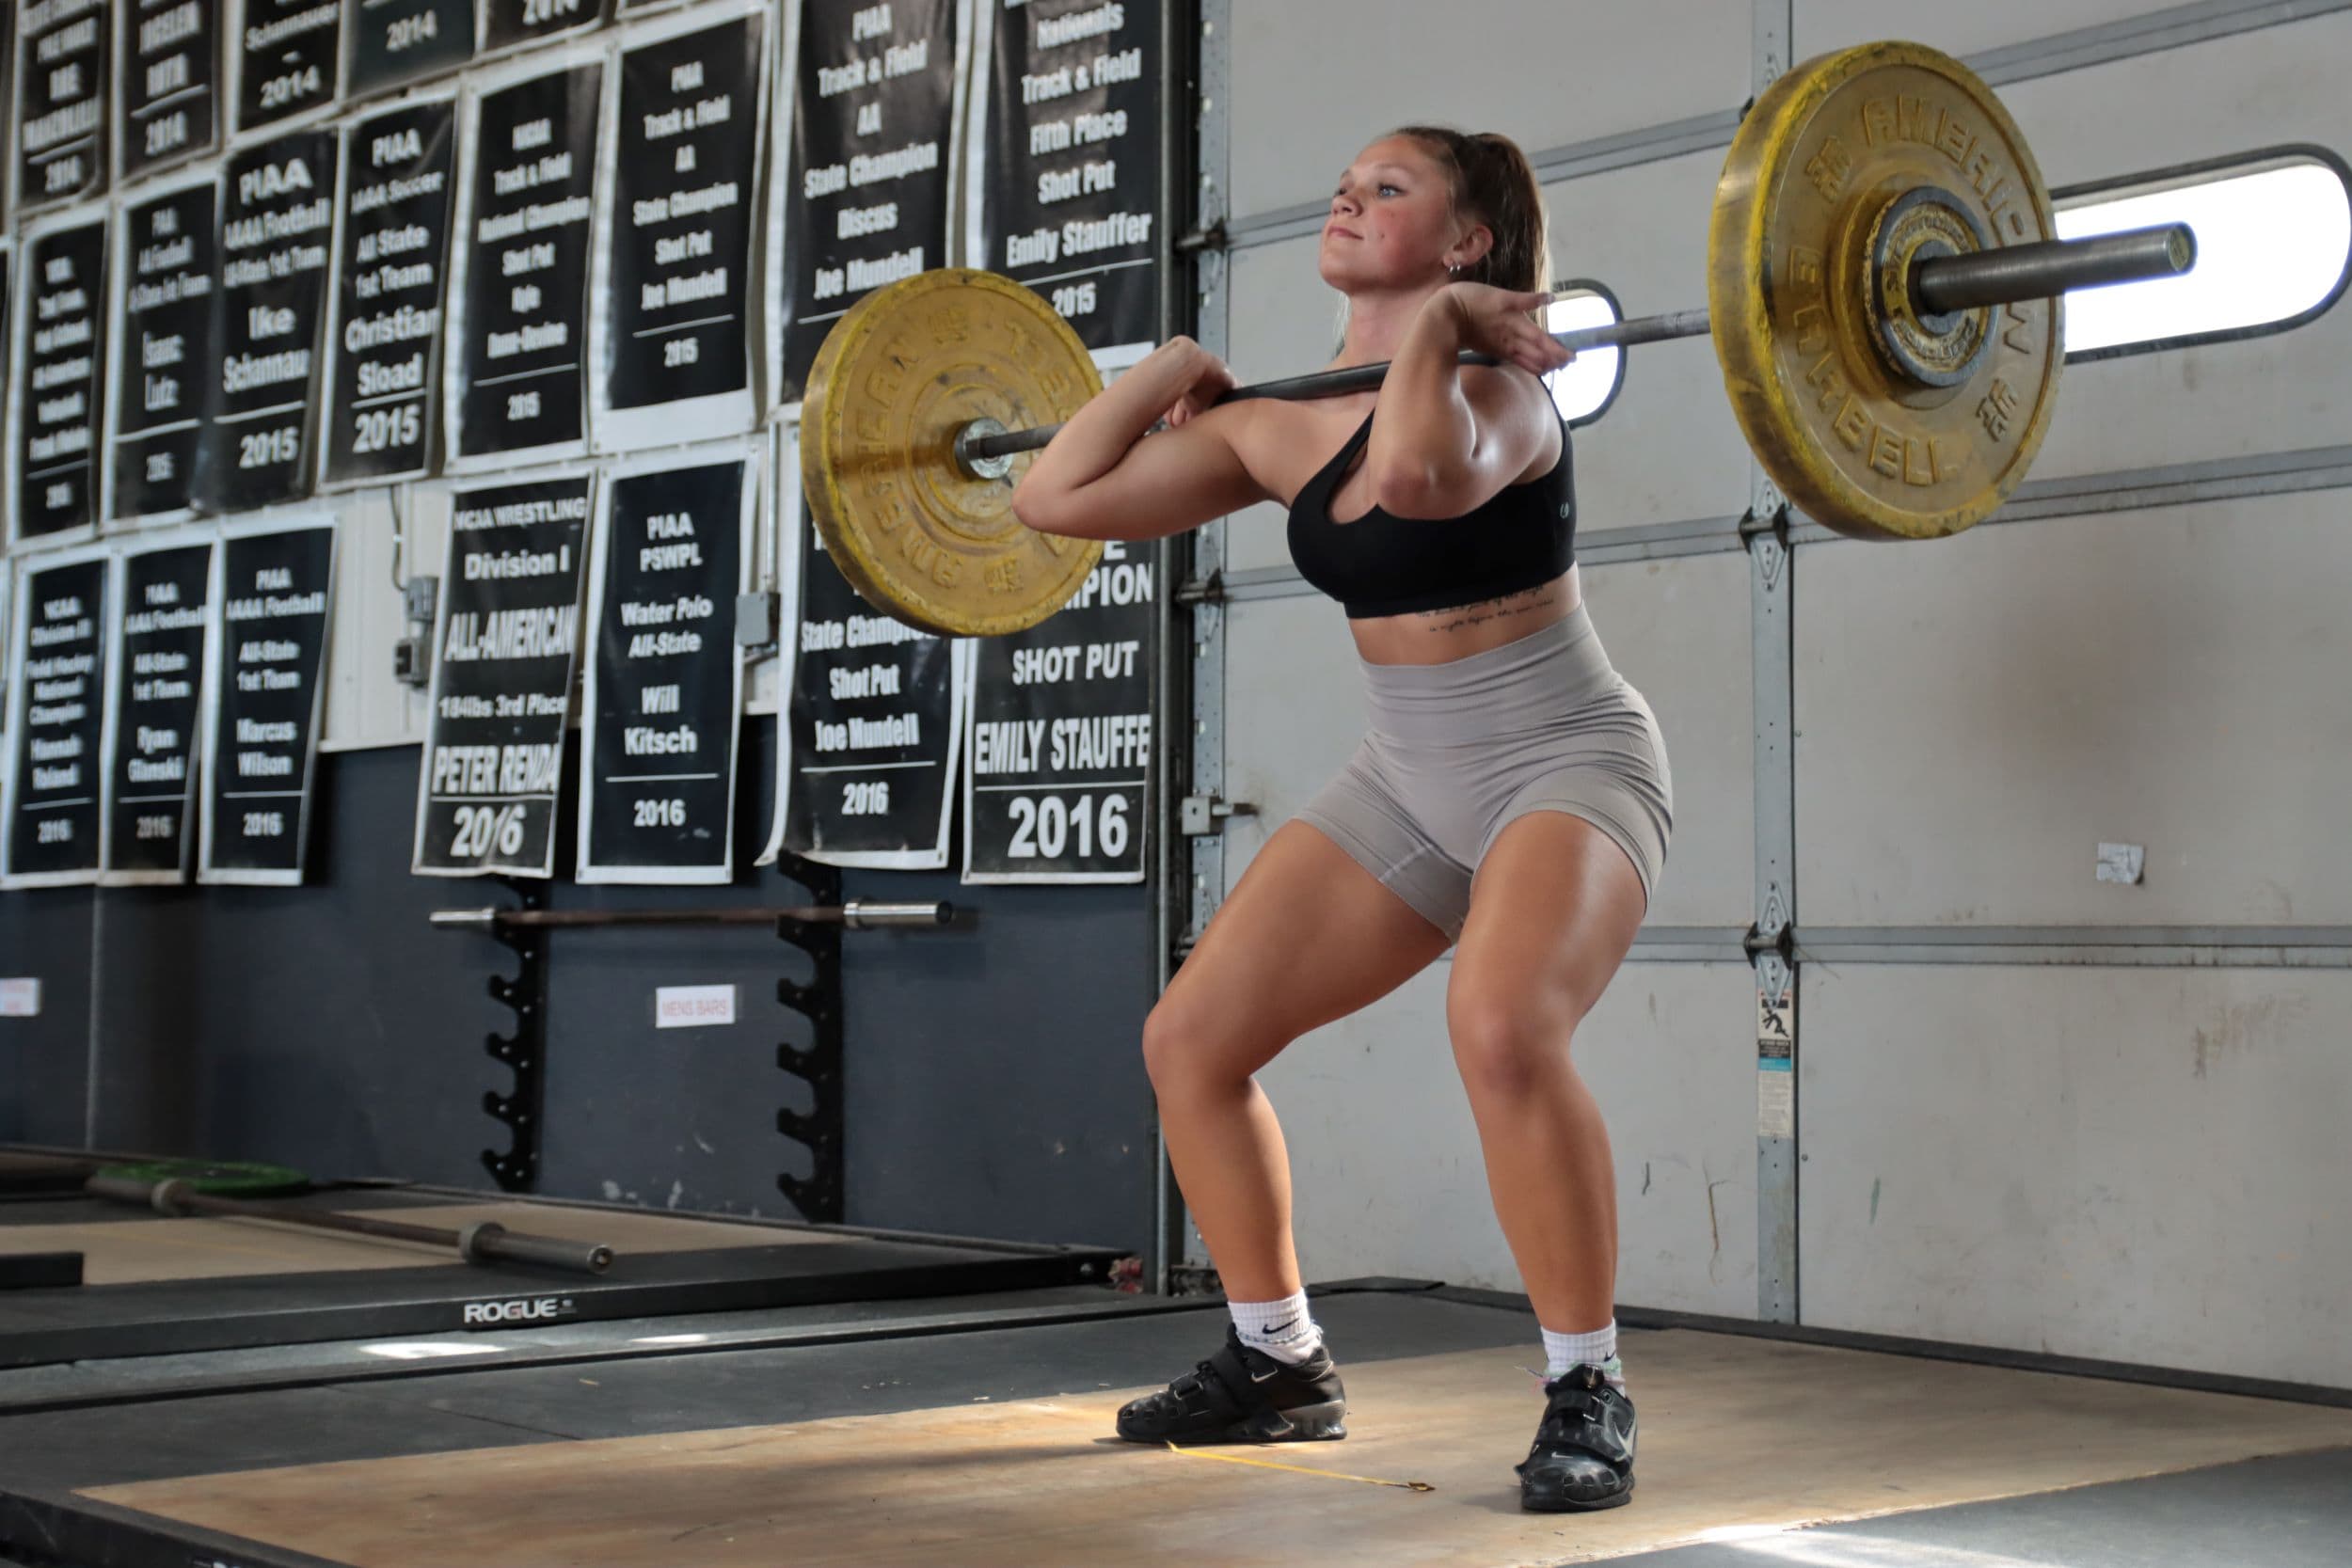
(1307, 936)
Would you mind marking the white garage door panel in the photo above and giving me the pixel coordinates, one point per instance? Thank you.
(1315, 80)
(1293, 712)
(2132, 1165)
(1668, 450)
(2234, 94)
(1387, 1175)
(1679, 630)
(1825, 24)
(1976, 717)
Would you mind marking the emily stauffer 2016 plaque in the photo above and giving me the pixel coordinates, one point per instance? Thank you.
(390, 277)
(56, 717)
(1059, 784)
(393, 43)
(665, 676)
(154, 719)
(167, 267)
(286, 57)
(508, 642)
(63, 51)
(873, 725)
(672, 348)
(874, 111)
(1064, 191)
(278, 224)
(519, 270)
(167, 106)
(264, 694)
(59, 398)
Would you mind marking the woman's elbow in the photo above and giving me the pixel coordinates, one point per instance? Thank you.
(1040, 511)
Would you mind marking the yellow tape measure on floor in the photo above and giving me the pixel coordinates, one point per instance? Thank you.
(1300, 1469)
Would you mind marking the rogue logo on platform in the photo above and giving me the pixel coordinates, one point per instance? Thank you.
(531, 1309)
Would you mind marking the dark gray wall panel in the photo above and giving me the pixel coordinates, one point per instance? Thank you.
(45, 1061)
(994, 1084)
(325, 1027)
(995, 1074)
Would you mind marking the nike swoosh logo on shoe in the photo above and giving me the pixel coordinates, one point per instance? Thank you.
(1261, 1377)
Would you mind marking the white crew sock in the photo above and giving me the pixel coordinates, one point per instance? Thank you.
(1282, 1329)
(1565, 1352)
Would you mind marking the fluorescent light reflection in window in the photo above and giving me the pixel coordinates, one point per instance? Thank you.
(2271, 244)
(1586, 385)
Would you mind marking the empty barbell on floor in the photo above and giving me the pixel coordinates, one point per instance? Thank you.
(485, 1241)
(1884, 292)
(858, 915)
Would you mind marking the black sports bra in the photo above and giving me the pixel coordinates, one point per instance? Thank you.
(1378, 565)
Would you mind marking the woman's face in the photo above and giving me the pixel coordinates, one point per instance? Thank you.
(1392, 224)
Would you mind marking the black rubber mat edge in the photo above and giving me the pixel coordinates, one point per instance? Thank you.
(81, 1532)
(590, 1356)
(317, 1307)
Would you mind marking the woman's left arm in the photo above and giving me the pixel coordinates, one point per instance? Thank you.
(1446, 438)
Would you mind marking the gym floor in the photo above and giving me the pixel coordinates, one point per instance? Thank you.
(975, 1430)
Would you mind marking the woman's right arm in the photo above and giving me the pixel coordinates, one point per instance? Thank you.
(1103, 478)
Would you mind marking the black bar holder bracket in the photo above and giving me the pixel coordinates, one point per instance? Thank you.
(820, 1196)
(523, 1049)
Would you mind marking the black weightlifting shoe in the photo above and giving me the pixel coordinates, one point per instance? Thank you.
(1243, 1395)
(1584, 1454)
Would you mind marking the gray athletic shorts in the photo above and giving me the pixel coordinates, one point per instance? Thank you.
(1457, 750)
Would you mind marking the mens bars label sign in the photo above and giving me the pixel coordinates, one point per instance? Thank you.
(390, 273)
(157, 713)
(658, 799)
(55, 723)
(266, 688)
(505, 651)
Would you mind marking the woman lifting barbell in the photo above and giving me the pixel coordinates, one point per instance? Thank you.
(1512, 796)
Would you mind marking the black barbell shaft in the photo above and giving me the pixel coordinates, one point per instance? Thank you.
(1945, 283)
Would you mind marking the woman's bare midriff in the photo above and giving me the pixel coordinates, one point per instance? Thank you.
(1294, 440)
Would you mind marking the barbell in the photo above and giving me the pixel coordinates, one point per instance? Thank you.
(1886, 292)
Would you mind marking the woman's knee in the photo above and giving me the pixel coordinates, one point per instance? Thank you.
(1187, 1049)
(1507, 1049)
